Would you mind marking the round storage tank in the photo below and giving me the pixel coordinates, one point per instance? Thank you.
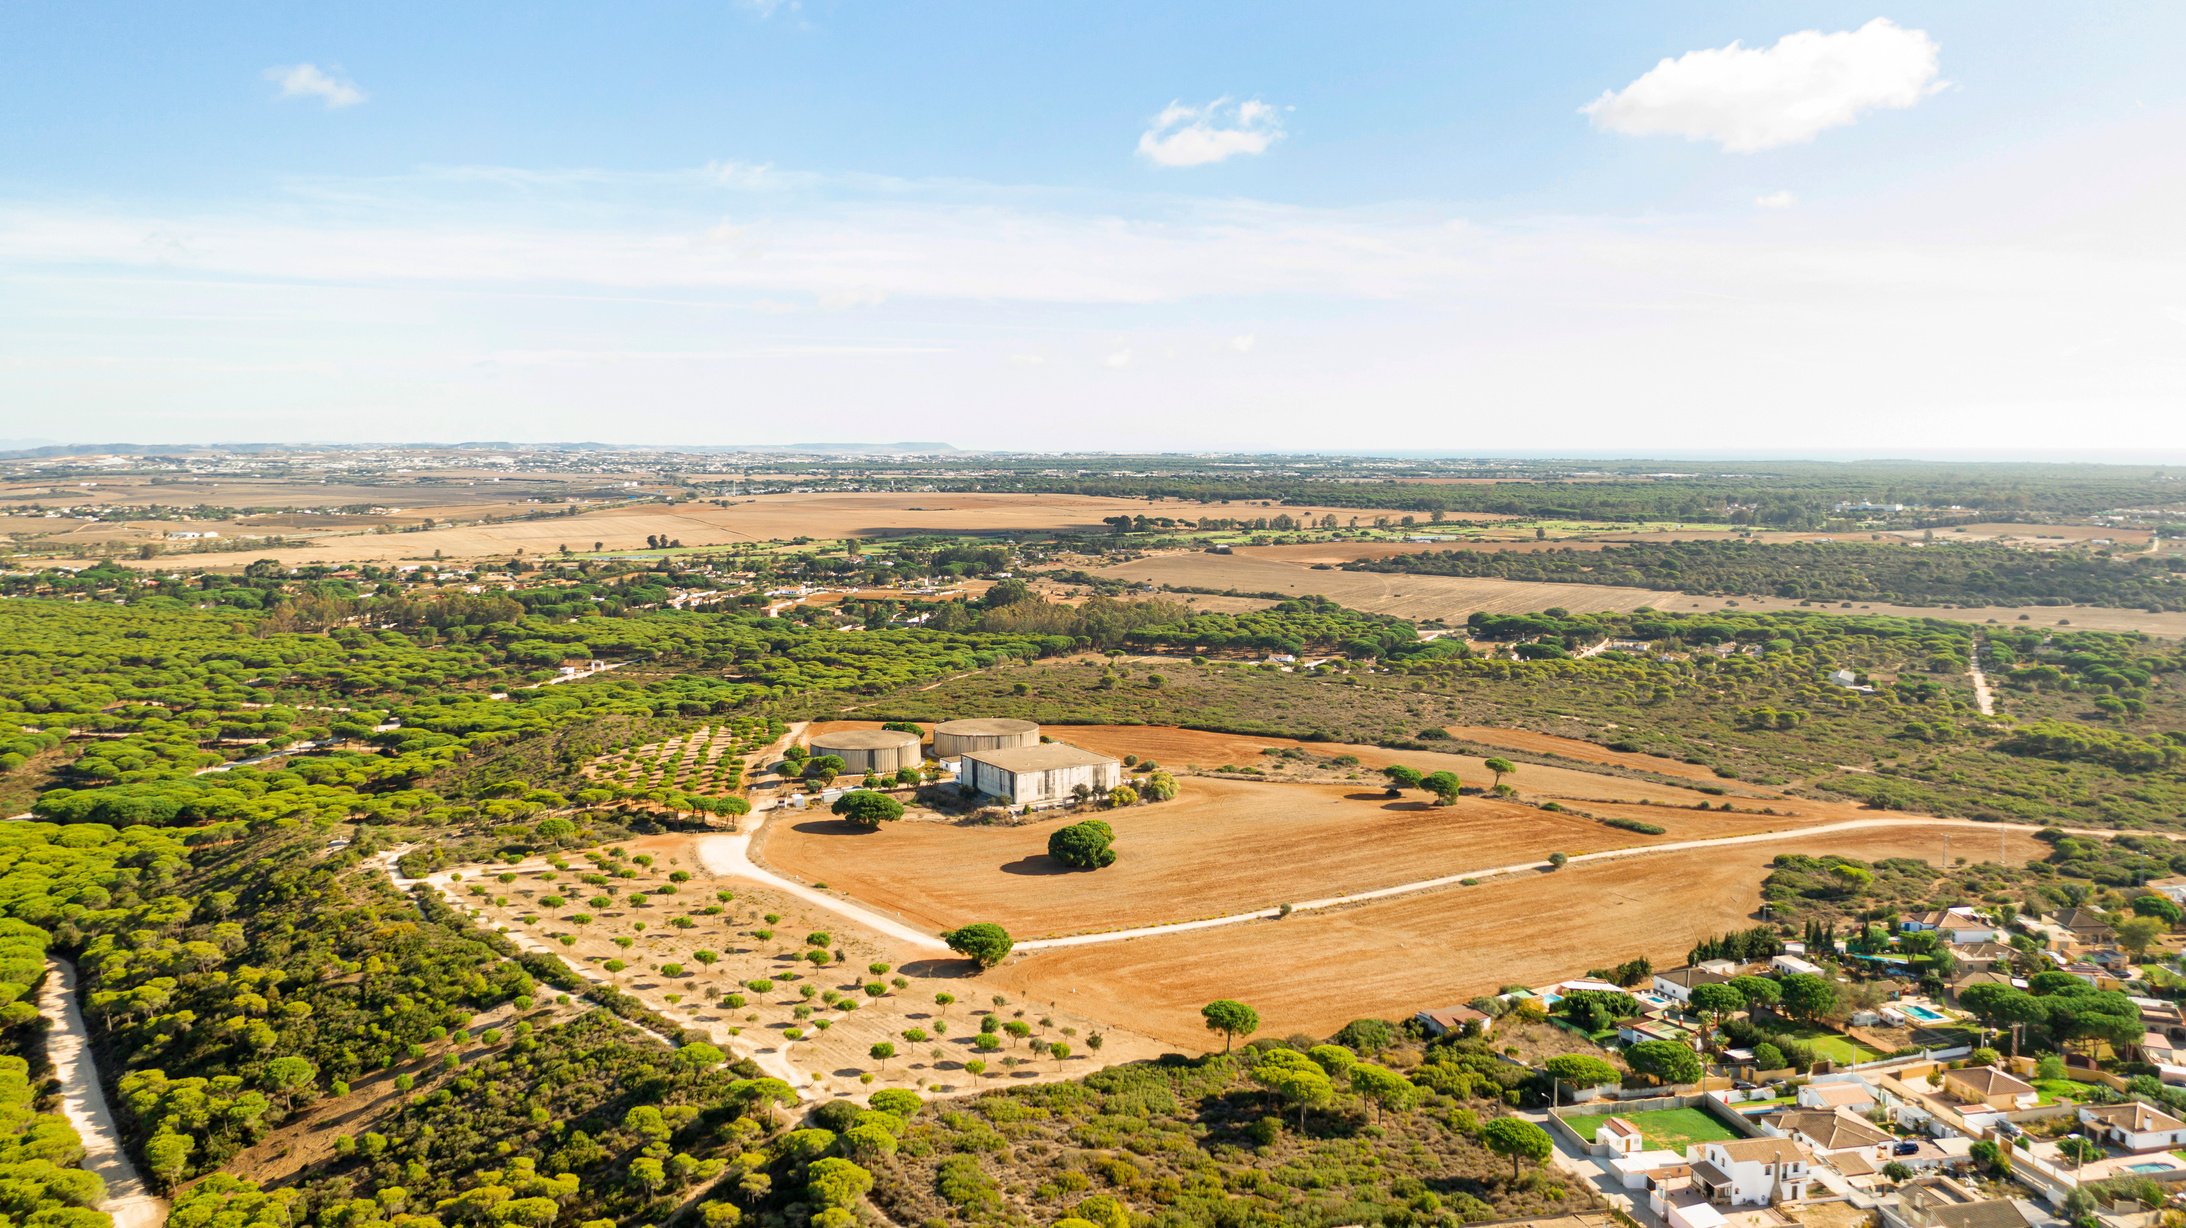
(953, 738)
(870, 750)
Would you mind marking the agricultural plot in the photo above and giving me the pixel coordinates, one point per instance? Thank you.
(805, 993)
(708, 761)
(1453, 598)
(1222, 846)
(1313, 972)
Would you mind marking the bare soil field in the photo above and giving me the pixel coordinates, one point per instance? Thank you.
(1222, 846)
(697, 994)
(759, 518)
(1576, 748)
(1313, 972)
(1452, 598)
(2032, 534)
(1205, 750)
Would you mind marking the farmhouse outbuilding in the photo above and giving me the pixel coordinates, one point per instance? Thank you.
(1048, 774)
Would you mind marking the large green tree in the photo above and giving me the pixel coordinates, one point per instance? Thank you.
(1231, 1018)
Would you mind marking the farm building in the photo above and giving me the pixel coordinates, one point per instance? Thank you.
(870, 750)
(954, 738)
(1038, 775)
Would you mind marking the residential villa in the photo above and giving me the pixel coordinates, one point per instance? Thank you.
(1960, 924)
(1678, 984)
(1750, 1172)
(2084, 925)
(2134, 1126)
(1941, 1202)
(1830, 1132)
(1453, 1019)
(1989, 1087)
(1855, 1094)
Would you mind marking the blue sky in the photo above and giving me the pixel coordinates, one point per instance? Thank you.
(1916, 228)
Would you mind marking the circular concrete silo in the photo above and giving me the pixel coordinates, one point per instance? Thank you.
(953, 738)
(870, 750)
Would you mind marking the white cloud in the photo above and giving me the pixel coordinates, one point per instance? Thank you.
(1243, 342)
(1118, 360)
(1776, 200)
(312, 81)
(764, 9)
(1185, 135)
(1750, 98)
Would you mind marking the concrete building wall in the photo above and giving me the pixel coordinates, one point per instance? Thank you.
(953, 738)
(864, 753)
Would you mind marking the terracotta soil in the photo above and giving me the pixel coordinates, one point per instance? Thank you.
(1222, 846)
(1313, 972)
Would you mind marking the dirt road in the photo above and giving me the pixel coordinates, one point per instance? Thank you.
(83, 1101)
(1982, 696)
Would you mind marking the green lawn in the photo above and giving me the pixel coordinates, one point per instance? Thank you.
(2054, 1090)
(1675, 1129)
(1836, 1047)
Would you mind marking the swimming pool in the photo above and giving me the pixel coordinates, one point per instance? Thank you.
(2150, 1167)
(1922, 1014)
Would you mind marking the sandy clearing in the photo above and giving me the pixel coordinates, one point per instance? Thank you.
(83, 1101)
(1452, 598)
(1430, 948)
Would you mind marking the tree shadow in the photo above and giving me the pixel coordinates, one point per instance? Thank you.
(953, 969)
(1369, 795)
(1038, 865)
(831, 827)
(1412, 807)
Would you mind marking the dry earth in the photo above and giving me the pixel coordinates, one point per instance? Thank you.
(1313, 972)
(1452, 598)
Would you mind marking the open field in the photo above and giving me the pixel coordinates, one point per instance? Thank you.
(764, 518)
(759, 935)
(1313, 972)
(1529, 742)
(1221, 846)
(1208, 749)
(1452, 598)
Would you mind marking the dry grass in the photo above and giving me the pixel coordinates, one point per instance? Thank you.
(1313, 972)
(1222, 846)
(1452, 598)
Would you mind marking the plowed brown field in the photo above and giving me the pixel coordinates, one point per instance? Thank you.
(1222, 846)
(1313, 972)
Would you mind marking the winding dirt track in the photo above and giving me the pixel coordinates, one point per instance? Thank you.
(83, 1101)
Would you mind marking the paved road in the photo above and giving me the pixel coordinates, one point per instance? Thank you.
(83, 1101)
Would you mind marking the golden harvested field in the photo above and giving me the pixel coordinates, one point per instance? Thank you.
(756, 519)
(1205, 749)
(1577, 748)
(1313, 972)
(1453, 598)
(1222, 846)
